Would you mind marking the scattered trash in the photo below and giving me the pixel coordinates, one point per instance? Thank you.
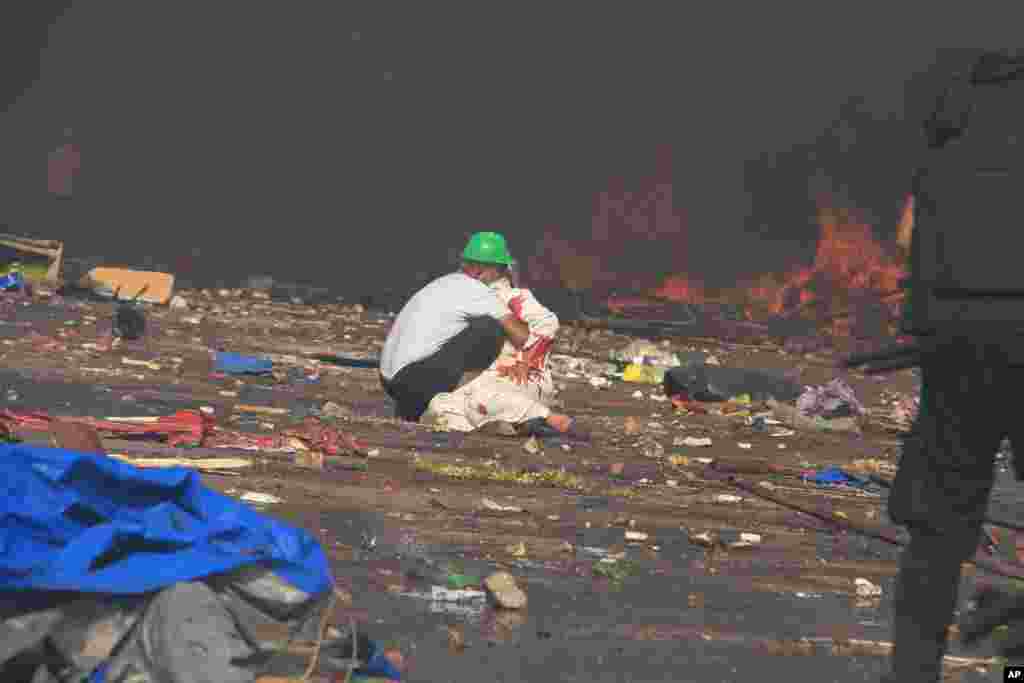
(497, 507)
(631, 426)
(261, 410)
(305, 458)
(701, 382)
(516, 549)
(334, 410)
(441, 594)
(259, 498)
(643, 374)
(237, 364)
(834, 476)
(833, 400)
(615, 569)
(149, 365)
(12, 282)
(217, 465)
(284, 339)
(646, 352)
(872, 466)
(866, 589)
(568, 366)
(704, 539)
(74, 436)
(727, 498)
(126, 284)
(178, 303)
(184, 428)
(461, 581)
(504, 591)
(791, 415)
(653, 450)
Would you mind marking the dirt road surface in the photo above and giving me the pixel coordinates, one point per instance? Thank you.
(641, 559)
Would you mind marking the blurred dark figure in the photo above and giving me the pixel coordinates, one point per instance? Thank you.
(967, 319)
(129, 321)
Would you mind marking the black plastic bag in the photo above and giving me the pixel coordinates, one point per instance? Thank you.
(701, 382)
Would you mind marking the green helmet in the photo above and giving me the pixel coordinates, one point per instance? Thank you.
(488, 247)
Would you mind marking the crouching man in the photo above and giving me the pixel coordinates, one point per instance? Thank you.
(456, 328)
(517, 389)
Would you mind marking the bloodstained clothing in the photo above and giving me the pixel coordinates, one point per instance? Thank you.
(492, 397)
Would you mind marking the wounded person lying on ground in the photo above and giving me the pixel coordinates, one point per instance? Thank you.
(470, 350)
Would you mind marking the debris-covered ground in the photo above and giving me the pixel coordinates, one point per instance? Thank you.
(686, 541)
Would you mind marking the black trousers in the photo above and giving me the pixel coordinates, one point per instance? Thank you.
(942, 488)
(473, 349)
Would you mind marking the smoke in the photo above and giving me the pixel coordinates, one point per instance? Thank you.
(233, 139)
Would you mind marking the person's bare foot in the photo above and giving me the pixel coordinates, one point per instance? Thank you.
(563, 423)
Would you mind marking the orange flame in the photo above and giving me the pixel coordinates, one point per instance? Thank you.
(848, 262)
(680, 288)
(643, 227)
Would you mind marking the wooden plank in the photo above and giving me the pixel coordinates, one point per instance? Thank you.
(29, 249)
(51, 248)
(261, 410)
(52, 244)
(194, 463)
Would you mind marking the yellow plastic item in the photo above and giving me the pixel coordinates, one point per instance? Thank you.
(643, 374)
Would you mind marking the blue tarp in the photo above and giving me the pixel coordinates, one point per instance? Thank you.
(237, 364)
(84, 522)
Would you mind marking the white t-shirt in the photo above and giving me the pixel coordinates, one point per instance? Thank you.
(434, 315)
